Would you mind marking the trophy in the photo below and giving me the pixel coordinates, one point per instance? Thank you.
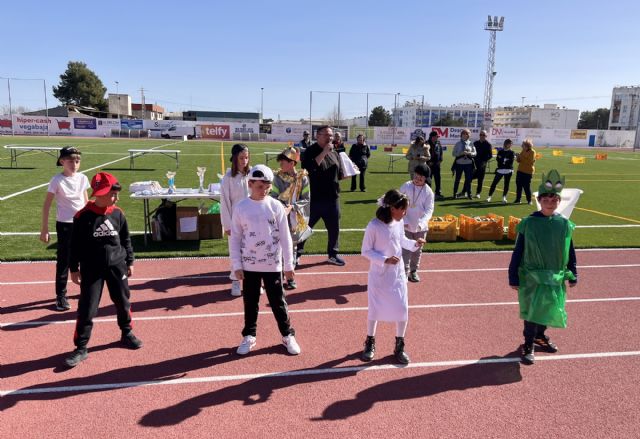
(201, 170)
(171, 177)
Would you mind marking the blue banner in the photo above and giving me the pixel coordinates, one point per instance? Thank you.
(84, 124)
(131, 124)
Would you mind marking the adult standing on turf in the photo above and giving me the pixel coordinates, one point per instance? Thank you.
(418, 154)
(359, 154)
(484, 153)
(304, 143)
(464, 152)
(322, 163)
(338, 143)
(435, 152)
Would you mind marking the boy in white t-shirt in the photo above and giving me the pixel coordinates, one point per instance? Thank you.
(259, 242)
(69, 189)
(416, 223)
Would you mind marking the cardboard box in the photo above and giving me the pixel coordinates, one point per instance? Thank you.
(210, 226)
(443, 229)
(187, 224)
(483, 228)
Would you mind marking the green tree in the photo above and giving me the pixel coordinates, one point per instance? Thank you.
(598, 119)
(379, 117)
(81, 86)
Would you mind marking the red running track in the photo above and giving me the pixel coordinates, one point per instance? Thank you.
(465, 379)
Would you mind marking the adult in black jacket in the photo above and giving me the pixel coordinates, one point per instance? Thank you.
(359, 154)
(322, 163)
(483, 155)
(504, 161)
(435, 151)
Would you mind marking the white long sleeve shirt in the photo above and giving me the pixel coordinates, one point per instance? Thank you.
(232, 191)
(420, 208)
(260, 238)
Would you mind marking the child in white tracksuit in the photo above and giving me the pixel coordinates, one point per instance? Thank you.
(233, 189)
(387, 282)
(261, 247)
(416, 223)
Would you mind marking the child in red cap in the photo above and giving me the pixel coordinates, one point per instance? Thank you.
(101, 252)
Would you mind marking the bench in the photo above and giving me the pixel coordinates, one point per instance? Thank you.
(133, 153)
(19, 150)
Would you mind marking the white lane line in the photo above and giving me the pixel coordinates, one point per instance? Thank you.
(316, 273)
(308, 372)
(306, 311)
(82, 172)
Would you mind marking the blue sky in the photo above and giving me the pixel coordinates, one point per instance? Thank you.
(209, 56)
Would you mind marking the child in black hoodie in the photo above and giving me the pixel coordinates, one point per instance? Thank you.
(101, 252)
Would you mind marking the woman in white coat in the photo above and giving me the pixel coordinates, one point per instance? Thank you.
(233, 189)
(382, 245)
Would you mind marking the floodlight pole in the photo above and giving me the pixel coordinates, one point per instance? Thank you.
(10, 111)
(492, 25)
(261, 104)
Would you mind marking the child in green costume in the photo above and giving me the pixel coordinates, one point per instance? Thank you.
(543, 259)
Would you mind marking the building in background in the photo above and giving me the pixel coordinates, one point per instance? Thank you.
(221, 116)
(412, 115)
(119, 104)
(625, 108)
(151, 112)
(550, 116)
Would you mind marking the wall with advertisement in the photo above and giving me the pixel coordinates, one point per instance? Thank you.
(281, 132)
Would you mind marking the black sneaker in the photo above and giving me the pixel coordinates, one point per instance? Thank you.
(527, 354)
(399, 353)
(336, 260)
(80, 354)
(130, 341)
(546, 344)
(62, 304)
(369, 349)
(413, 277)
(290, 284)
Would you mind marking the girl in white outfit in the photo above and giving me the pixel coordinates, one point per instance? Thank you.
(382, 245)
(233, 190)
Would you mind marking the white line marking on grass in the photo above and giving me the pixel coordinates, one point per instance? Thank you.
(314, 273)
(306, 311)
(82, 172)
(307, 372)
(140, 232)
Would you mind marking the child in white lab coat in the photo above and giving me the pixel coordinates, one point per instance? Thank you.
(382, 245)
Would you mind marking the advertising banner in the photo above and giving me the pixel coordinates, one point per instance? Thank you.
(84, 124)
(390, 135)
(281, 132)
(579, 134)
(216, 131)
(132, 124)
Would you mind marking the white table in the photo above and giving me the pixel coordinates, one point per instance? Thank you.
(133, 153)
(19, 150)
(268, 155)
(180, 194)
(394, 158)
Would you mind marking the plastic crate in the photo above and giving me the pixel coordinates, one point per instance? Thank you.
(557, 153)
(538, 156)
(482, 228)
(578, 160)
(511, 230)
(405, 150)
(443, 228)
(601, 156)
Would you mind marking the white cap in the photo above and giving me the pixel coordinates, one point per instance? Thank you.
(261, 172)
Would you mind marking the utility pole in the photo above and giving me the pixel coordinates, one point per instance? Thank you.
(492, 25)
(143, 105)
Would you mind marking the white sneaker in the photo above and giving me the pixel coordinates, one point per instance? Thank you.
(504, 200)
(236, 289)
(261, 291)
(248, 342)
(477, 195)
(291, 344)
(488, 199)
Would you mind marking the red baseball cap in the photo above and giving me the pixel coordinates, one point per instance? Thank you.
(101, 183)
